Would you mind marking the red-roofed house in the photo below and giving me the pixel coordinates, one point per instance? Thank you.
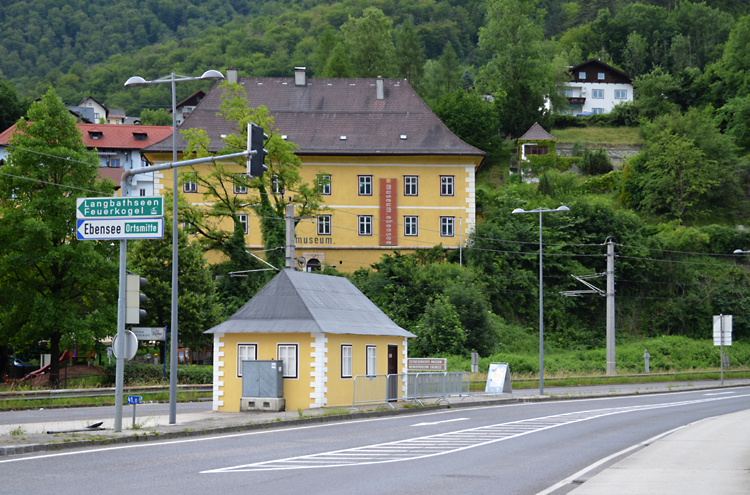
(119, 148)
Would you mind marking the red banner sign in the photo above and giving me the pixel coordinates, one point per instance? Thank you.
(388, 214)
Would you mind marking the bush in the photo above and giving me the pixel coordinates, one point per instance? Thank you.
(595, 162)
(145, 374)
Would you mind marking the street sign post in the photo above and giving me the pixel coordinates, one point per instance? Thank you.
(722, 337)
(134, 399)
(120, 228)
(127, 207)
(149, 333)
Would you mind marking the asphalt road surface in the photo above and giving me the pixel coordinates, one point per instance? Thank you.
(509, 449)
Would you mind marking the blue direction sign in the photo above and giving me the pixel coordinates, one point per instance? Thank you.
(134, 399)
(136, 207)
(120, 228)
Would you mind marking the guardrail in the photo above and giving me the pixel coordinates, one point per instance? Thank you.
(371, 389)
(96, 392)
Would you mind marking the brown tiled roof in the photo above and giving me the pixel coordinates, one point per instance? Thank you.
(537, 133)
(316, 116)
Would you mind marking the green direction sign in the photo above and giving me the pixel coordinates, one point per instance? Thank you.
(119, 228)
(136, 207)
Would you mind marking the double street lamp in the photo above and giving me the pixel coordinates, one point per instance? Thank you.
(173, 79)
(540, 210)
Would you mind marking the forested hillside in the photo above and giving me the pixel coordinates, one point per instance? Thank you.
(676, 210)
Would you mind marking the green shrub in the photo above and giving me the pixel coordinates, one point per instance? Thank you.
(595, 162)
(146, 374)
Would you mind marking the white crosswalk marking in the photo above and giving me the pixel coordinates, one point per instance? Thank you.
(443, 443)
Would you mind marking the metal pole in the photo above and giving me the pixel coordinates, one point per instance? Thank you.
(460, 241)
(721, 348)
(174, 341)
(541, 312)
(289, 217)
(611, 365)
(119, 350)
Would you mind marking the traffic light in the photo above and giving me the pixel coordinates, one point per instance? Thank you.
(134, 298)
(257, 138)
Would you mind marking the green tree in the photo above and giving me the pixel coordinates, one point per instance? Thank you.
(472, 118)
(520, 69)
(409, 53)
(656, 93)
(156, 117)
(280, 182)
(54, 288)
(369, 41)
(197, 300)
(736, 116)
(11, 106)
(439, 330)
(338, 64)
(636, 54)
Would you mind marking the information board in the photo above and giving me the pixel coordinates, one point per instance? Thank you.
(498, 379)
(429, 364)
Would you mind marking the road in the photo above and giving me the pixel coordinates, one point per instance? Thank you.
(513, 449)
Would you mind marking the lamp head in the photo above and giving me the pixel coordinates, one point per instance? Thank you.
(563, 208)
(212, 74)
(136, 81)
(519, 210)
(739, 251)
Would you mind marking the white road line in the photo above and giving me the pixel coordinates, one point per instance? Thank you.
(720, 393)
(440, 422)
(434, 445)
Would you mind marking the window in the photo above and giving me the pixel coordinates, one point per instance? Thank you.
(243, 220)
(365, 185)
(142, 191)
(370, 365)
(114, 162)
(621, 94)
(581, 75)
(96, 117)
(288, 354)
(410, 225)
(190, 187)
(568, 92)
(245, 352)
(346, 361)
(530, 149)
(410, 185)
(446, 226)
(189, 228)
(239, 184)
(324, 224)
(139, 136)
(600, 76)
(597, 93)
(597, 110)
(324, 183)
(364, 224)
(446, 185)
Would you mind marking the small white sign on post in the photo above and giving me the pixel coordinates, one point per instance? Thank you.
(722, 329)
(149, 333)
(498, 379)
(129, 346)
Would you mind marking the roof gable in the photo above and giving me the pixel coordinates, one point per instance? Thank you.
(537, 133)
(299, 302)
(335, 116)
(594, 66)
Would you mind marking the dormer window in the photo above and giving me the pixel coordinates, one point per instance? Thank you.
(139, 136)
(95, 135)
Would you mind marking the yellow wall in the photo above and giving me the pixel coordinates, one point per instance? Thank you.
(344, 247)
(297, 391)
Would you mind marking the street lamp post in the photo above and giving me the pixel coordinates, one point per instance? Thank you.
(540, 210)
(173, 79)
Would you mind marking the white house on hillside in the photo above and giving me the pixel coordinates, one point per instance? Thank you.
(596, 87)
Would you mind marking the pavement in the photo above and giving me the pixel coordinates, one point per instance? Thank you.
(709, 456)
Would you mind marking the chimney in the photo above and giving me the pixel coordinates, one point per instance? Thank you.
(231, 75)
(379, 87)
(299, 76)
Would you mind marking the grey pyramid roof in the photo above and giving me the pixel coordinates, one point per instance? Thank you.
(537, 133)
(302, 302)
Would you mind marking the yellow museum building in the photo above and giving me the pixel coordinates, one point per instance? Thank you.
(399, 179)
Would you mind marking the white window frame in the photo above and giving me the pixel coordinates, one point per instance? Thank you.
(190, 187)
(325, 189)
(365, 185)
(411, 185)
(597, 110)
(582, 75)
(246, 348)
(282, 351)
(364, 224)
(242, 217)
(621, 94)
(240, 189)
(446, 185)
(371, 360)
(601, 76)
(411, 225)
(142, 191)
(324, 224)
(597, 94)
(447, 226)
(346, 360)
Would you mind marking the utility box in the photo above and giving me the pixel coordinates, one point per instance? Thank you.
(262, 386)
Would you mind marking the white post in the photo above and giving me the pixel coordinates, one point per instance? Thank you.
(611, 369)
(289, 218)
(721, 347)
